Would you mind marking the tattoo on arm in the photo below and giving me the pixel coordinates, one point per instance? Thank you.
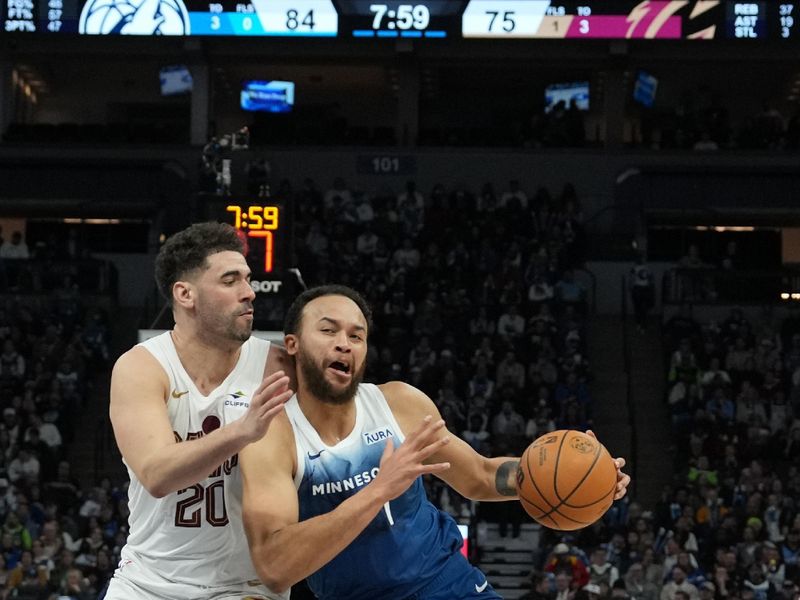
(504, 478)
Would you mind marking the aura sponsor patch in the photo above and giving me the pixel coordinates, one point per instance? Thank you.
(377, 435)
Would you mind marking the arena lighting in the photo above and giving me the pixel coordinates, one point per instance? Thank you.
(77, 221)
(723, 228)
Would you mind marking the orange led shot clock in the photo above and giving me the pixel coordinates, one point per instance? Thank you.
(258, 221)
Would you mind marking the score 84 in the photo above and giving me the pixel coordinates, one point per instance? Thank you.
(295, 19)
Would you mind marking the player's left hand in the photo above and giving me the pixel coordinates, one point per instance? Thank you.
(623, 479)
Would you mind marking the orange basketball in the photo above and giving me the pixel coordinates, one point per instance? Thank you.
(566, 480)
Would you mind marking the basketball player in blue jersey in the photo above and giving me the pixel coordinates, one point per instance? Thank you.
(333, 493)
(183, 405)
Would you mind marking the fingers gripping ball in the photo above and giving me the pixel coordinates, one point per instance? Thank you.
(566, 480)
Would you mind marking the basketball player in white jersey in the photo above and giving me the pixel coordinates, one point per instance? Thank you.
(334, 492)
(183, 404)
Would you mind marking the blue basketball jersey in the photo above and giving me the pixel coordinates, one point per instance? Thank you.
(407, 545)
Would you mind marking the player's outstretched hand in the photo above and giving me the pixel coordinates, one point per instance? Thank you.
(401, 466)
(623, 479)
(267, 401)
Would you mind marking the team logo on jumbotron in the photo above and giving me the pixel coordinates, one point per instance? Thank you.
(582, 445)
(134, 17)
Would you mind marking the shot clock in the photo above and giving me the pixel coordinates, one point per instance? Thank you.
(266, 226)
(258, 222)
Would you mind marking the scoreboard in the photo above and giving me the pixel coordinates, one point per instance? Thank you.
(410, 19)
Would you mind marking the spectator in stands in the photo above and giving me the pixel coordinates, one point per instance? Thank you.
(513, 195)
(508, 423)
(758, 584)
(24, 469)
(12, 360)
(15, 248)
(601, 571)
(568, 290)
(476, 434)
(76, 587)
(481, 385)
(643, 292)
(406, 257)
(422, 355)
(539, 588)
(338, 195)
(638, 586)
(541, 422)
(678, 584)
(367, 242)
(510, 372)
(511, 325)
(28, 579)
(562, 561)
(715, 375)
(46, 432)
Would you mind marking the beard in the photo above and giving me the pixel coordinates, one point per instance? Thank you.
(239, 333)
(321, 388)
(228, 326)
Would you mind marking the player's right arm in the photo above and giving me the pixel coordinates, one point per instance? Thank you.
(286, 550)
(138, 411)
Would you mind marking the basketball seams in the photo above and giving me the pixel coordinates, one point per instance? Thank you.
(585, 475)
(534, 505)
(554, 508)
(603, 497)
(560, 514)
(555, 468)
(533, 479)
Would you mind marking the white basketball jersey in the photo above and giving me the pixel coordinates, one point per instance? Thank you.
(195, 537)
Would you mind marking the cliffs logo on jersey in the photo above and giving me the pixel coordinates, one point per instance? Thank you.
(377, 435)
(235, 399)
(134, 17)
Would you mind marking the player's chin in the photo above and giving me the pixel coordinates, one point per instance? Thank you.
(242, 332)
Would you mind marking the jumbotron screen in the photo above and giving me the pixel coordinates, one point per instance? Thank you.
(429, 20)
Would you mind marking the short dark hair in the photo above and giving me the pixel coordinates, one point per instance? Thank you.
(188, 250)
(291, 322)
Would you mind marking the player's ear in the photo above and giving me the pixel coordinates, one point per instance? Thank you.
(183, 294)
(290, 341)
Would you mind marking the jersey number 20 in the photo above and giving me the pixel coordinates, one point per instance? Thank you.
(189, 510)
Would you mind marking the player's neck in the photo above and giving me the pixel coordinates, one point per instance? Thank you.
(207, 364)
(333, 422)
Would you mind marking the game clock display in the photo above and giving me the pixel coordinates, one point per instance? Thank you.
(366, 19)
